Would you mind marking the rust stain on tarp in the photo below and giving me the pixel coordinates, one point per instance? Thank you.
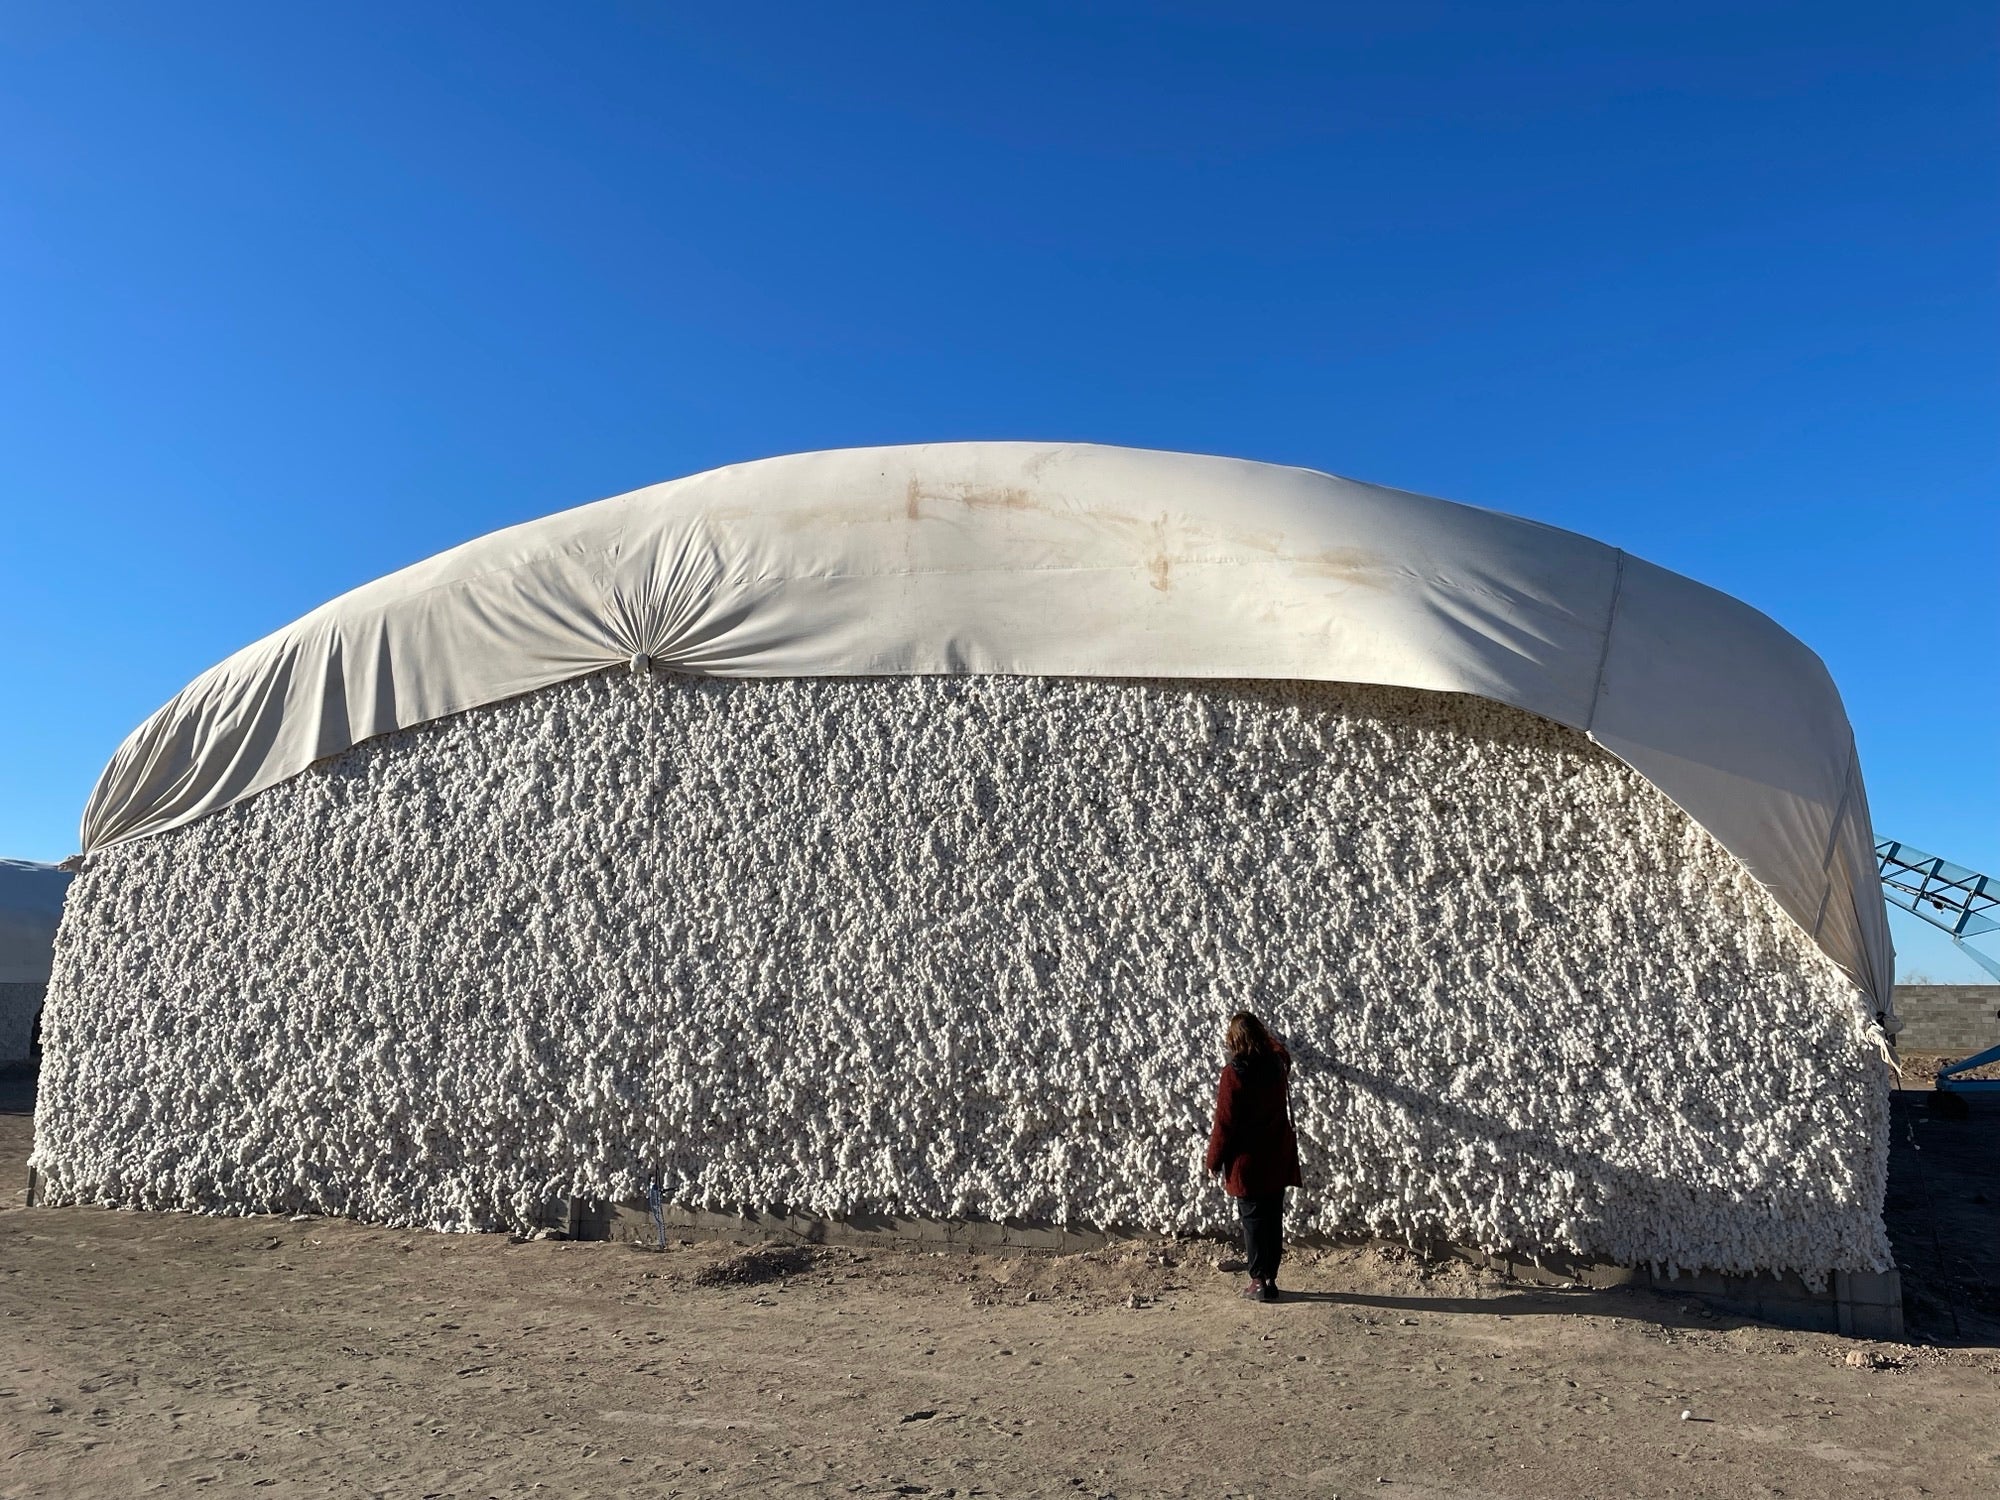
(1349, 564)
(976, 497)
(1002, 497)
(920, 503)
(1160, 565)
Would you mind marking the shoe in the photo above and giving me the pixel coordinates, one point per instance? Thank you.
(1268, 1292)
(1254, 1292)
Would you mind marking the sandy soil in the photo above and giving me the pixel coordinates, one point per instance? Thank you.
(148, 1353)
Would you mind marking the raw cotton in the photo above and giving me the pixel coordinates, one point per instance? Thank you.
(964, 947)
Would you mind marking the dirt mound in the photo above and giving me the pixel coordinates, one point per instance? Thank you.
(765, 1263)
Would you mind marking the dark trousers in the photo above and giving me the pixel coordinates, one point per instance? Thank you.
(1263, 1233)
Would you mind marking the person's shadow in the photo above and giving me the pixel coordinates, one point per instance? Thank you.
(1528, 1150)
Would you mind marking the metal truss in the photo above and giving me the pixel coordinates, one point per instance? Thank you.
(1959, 901)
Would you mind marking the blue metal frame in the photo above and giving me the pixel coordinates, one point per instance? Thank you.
(1960, 902)
(1949, 1082)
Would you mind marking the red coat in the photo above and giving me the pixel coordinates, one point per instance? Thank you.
(1252, 1143)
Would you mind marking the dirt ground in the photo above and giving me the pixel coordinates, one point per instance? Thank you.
(1920, 1069)
(167, 1354)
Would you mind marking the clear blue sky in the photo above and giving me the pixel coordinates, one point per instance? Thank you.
(291, 296)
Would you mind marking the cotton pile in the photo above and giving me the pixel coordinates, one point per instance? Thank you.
(964, 947)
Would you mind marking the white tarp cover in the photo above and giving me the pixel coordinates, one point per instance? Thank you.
(31, 903)
(1064, 560)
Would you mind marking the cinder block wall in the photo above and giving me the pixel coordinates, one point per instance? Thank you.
(1948, 1017)
(19, 1004)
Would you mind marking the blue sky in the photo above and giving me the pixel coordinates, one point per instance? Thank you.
(292, 296)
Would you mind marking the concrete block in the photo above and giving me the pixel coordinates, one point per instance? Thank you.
(19, 1005)
(1950, 1018)
(1870, 1304)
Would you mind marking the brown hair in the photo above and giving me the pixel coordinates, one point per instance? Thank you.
(1247, 1040)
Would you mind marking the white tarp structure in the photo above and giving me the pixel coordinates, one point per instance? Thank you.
(31, 903)
(1065, 560)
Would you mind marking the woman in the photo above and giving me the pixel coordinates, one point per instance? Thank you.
(1252, 1145)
